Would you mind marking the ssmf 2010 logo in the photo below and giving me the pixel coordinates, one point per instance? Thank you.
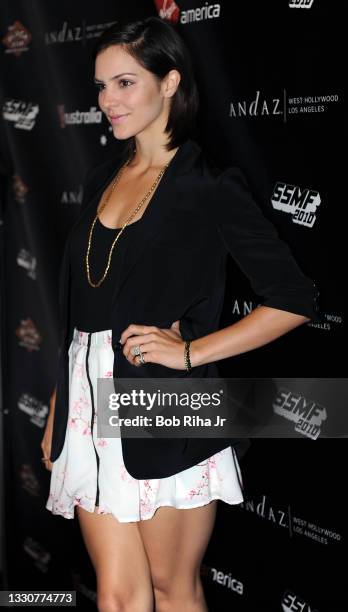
(301, 204)
(292, 603)
(306, 4)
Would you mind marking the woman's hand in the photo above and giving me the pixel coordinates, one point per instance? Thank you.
(162, 346)
(46, 441)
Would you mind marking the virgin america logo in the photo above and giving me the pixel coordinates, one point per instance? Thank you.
(168, 9)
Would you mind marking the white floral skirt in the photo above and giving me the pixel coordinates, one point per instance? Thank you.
(90, 471)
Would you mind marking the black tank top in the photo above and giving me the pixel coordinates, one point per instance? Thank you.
(91, 306)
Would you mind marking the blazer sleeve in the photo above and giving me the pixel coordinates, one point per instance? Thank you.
(261, 254)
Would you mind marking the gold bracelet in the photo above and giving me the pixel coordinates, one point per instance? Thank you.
(187, 356)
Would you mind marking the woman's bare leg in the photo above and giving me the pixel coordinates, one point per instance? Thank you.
(120, 562)
(175, 541)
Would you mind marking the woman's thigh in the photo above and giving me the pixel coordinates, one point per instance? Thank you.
(175, 541)
(118, 557)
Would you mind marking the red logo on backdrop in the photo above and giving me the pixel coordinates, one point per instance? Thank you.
(168, 9)
(17, 38)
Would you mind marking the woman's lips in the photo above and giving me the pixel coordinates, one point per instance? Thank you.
(118, 119)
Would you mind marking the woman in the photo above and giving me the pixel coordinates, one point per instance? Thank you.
(141, 293)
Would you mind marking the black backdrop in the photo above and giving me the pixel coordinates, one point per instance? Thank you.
(271, 82)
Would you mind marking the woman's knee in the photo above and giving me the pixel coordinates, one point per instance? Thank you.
(125, 592)
(117, 601)
(184, 590)
(177, 599)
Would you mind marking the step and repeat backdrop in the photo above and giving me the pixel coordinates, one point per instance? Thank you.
(270, 77)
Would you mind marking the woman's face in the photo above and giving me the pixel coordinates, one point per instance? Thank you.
(128, 91)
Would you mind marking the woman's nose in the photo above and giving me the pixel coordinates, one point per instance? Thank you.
(110, 98)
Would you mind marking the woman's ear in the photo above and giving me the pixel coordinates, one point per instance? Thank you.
(171, 83)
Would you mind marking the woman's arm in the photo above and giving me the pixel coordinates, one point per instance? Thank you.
(166, 346)
(261, 326)
(46, 441)
(289, 296)
(255, 245)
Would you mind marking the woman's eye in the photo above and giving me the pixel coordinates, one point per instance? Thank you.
(123, 84)
(125, 81)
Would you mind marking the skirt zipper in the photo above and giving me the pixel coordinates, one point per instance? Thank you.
(92, 418)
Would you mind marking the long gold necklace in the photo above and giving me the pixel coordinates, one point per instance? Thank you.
(124, 226)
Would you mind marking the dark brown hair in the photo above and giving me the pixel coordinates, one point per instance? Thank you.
(157, 46)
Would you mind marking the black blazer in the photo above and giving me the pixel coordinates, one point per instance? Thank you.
(196, 218)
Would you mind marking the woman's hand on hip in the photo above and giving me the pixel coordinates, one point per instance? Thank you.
(162, 346)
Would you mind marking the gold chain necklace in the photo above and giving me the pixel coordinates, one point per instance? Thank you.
(124, 226)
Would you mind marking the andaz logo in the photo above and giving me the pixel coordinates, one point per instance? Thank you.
(255, 107)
